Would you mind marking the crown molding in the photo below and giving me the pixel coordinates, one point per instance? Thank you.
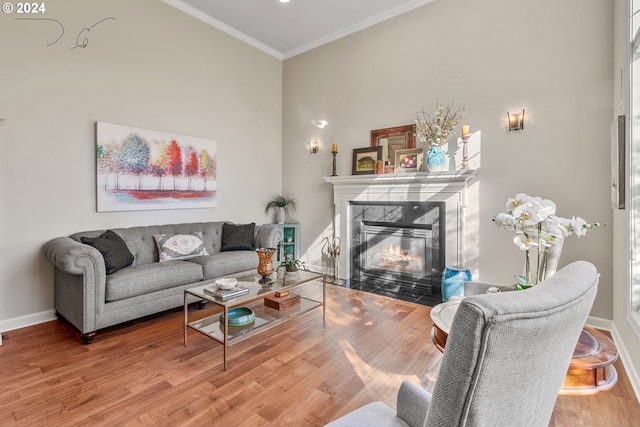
(357, 27)
(198, 14)
(208, 19)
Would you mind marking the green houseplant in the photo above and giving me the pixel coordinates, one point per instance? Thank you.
(282, 205)
(292, 265)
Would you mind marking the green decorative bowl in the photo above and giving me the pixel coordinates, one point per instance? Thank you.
(239, 316)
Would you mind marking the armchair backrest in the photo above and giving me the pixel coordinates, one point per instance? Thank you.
(507, 354)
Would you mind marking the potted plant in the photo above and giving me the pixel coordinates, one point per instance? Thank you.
(283, 205)
(292, 265)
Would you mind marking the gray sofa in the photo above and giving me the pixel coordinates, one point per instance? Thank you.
(91, 299)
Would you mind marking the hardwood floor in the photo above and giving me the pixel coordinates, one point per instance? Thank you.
(301, 373)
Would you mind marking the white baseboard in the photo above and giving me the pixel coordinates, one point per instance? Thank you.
(28, 320)
(631, 369)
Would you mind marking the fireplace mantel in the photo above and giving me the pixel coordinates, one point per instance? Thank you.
(446, 180)
(449, 187)
(444, 176)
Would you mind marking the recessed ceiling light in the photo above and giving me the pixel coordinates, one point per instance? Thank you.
(284, 1)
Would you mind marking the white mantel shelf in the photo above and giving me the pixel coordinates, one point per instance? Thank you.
(405, 178)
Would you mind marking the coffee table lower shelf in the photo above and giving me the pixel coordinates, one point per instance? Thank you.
(265, 318)
(312, 295)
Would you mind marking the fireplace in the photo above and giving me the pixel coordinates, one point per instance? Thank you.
(426, 210)
(398, 244)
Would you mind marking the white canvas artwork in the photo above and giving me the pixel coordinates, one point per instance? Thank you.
(141, 169)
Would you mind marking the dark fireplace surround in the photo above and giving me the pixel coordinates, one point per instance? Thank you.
(398, 243)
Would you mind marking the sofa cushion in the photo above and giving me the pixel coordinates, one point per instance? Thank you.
(226, 263)
(179, 246)
(114, 250)
(238, 237)
(146, 278)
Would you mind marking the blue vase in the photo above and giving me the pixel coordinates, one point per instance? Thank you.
(435, 159)
(453, 279)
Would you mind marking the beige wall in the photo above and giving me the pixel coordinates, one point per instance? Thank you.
(155, 68)
(552, 58)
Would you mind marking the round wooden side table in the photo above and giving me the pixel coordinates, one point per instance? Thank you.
(591, 369)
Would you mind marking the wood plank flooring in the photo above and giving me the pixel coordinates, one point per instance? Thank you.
(301, 373)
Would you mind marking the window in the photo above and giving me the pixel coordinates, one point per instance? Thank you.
(634, 168)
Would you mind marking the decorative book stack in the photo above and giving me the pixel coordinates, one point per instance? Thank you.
(281, 300)
(224, 294)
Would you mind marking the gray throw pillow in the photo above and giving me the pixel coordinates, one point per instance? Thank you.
(238, 237)
(114, 250)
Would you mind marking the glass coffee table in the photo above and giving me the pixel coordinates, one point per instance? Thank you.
(312, 295)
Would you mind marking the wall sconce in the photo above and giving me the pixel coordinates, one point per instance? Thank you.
(516, 121)
(314, 146)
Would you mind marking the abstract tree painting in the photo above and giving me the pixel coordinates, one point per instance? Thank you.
(141, 169)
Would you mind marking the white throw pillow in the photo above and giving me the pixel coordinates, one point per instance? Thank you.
(173, 247)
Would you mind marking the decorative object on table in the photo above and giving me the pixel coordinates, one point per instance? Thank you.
(282, 302)
(364, 160)
(538, 228)
(292, 265)
(334, 153)
(465, 151)
(331, 248)
(409, 160)
(282, 205)
(515, 120)
(225, 294)
(453, 278)
(239, 316)
(434, 131)
(265, 265)
(142, 169)
(393, 139)
(226, 283)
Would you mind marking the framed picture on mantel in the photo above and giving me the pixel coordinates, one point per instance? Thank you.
(393, 139)
(364, 160)
(409, 160)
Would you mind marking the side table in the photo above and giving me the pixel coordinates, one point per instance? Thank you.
(591, 369)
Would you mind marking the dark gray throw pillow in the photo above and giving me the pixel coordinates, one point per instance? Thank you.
(114, 250)
(238, 237)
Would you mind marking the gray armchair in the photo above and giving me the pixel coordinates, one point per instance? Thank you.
(506, 357)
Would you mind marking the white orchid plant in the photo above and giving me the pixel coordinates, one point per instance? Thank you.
(434, 130)
(537, 228)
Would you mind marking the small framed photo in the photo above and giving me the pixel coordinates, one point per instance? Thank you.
(364, 160)
(409, 160)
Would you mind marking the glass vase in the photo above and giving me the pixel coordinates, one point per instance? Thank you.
(265, 264)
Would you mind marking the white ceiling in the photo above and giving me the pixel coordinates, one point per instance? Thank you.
(288, 29)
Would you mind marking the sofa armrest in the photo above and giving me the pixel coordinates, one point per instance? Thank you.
(80, 281)
(413, 404)
(74, 257)
(267, 236)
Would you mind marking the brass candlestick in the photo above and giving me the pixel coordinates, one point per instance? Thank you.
(334, 171)
(465, 154)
